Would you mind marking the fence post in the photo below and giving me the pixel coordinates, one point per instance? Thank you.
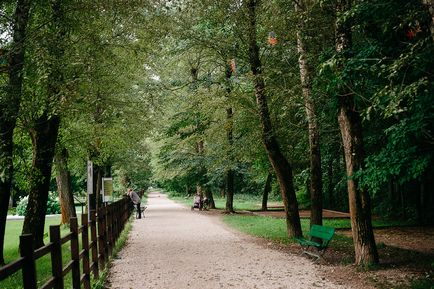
(85, 245)
(117, 220)
(56, 257)
(104, 235)
(108, 231)
(101, 245)
(94, 242)
(75, 254)
(29, 267)
(126, 209)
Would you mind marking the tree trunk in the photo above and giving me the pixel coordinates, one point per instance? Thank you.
(44, 132)
(199, 145)
(315, 186)
(350, 124)
(230, 174)
(230, 191)
(278, 161)
(266, 192)
(210, 197)
(9, 107)
(44, 136)
(64, 188)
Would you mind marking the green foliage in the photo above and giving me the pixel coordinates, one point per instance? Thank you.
(53, 206)
(22, 206)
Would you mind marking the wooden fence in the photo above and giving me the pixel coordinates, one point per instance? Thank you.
(98, 237)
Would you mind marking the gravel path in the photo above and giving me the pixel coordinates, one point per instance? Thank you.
(174, 247)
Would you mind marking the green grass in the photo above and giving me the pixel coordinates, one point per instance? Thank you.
(264, 227)
(13, 232)
(43, 265)
(272, 228)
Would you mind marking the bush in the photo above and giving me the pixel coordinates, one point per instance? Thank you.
(22, 206)
(12, 211)
(53, 206)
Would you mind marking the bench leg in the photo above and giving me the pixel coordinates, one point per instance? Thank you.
(306, 251)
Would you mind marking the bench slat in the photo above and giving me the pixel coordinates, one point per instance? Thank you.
(322, 232)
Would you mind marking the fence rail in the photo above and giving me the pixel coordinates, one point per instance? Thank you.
(98, 237)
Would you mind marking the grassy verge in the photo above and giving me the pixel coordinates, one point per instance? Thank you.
(100, 283)
(275, 229)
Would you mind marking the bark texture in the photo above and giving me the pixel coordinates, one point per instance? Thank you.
(200, 189)
(9, 107)
(278, 161)
(230, 174)
(266, 192)
(44, 138)
(200, 145)
(64, 188)
(315, 186)
(350, 124)
(210, 197)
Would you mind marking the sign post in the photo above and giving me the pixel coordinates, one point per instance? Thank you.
(89, 185)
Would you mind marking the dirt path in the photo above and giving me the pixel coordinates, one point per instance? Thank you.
(176, 248)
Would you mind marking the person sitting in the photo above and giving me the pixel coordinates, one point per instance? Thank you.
(197, 202)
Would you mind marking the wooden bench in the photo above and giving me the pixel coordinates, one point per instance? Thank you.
(317, 232)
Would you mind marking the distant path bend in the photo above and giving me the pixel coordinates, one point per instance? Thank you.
(173, 247)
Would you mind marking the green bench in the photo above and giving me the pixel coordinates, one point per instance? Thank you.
(317, 232)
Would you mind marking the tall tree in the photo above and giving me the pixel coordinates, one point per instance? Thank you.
(230, 174)
(279, 162)
(9, 107)
(44, 131)
(350, 124)
(306, 76)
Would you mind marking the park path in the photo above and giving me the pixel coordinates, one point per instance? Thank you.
(173, 247)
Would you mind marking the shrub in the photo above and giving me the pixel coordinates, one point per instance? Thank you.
(53, 206)
(22, 206)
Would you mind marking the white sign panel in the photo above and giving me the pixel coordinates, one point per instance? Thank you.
(107, 189)
(89, 177)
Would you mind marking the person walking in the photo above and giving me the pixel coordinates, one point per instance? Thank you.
(136, 201)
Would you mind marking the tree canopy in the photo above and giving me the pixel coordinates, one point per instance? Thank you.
(211, 97)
